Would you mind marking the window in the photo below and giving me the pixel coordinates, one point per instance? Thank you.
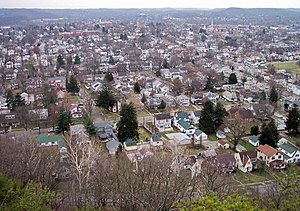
(297, 155)
(279, 157)
(10, 117)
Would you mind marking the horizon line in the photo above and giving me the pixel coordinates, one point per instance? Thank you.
(87, 8)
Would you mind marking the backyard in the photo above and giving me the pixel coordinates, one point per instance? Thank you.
(252, 177)
(143, 134)
(247, 145)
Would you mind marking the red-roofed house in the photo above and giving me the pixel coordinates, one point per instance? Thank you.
(272, 157)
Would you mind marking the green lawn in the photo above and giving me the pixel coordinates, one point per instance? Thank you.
(74, 98)
(289, 66)
(143, 134)
(294, 139)
(142, 113)
(212, 137)
(247, 145)
(111, 116)
(252, 177)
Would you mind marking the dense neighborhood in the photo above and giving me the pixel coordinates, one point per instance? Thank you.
(214, 100)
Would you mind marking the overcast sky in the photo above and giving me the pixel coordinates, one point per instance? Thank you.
(149, 3)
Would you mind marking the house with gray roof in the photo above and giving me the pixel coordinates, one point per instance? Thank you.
(179, 138)
(113, 146)
(253, 140)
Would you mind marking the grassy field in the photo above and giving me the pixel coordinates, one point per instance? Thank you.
(253, 177)
(212, 137)
(289, 66)
(143, 134)
(247, 145)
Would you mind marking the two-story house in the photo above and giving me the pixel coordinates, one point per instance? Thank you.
(270, 156)
(59, 82)
(246, 160)
(163, 122)
(291, 154)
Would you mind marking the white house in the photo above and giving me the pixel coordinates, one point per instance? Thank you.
(291, 154)
(253, 140)
(272, 157)
(223, 144)
(246, 161)
(230, 96)
(195, 116)
(199, 136)
(183, 100)
(163, 122)
(28, 98)
(185, 127)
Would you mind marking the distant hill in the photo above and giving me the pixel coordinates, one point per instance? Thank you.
(234, 15)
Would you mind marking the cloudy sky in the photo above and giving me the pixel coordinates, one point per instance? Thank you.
(148, 3)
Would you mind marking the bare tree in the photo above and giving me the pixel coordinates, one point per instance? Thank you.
(237, 130)
(212, 180)
(79, 157)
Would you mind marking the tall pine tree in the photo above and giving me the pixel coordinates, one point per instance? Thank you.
(106, 98)
(293, 121)
(220, 114)
(273, 95)
(128, 124)
(89, 125)
(72, 85)
(206, 121)
(209, 86)
(63, 121)
(269, 135)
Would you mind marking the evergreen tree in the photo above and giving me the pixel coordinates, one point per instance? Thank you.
(63, 121)
(89, 125)
(232, 79)
(60, 62)
(106, 98)
(293, 121)
(165, 63)
(273, 95)
(269, 134)
(128, 124)
(162, 104)
(144, 99)
(111, 60)
(220, 113)
(158, 73)
(137, 88)
(209, 86)
(77, 60)
(10, 99)
(19, 101)
(72, 85)
(108, 77)
(206, 121)
(254, 130)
